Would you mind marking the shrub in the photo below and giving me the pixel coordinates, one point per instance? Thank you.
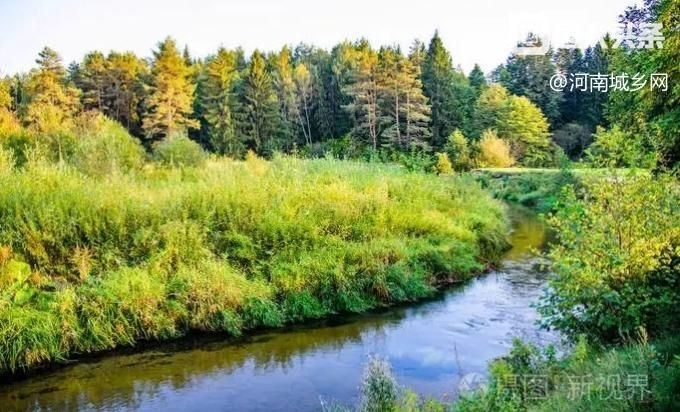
(617, 263)
(105, 147)
(179, 150)
(493, 151)
(378, 387)
(459, 151)
(443, 165)
(616, 148)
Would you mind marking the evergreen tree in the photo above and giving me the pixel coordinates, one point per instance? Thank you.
(92, 78)
(261, 118)
(477, 79)
(282, 74)
(51, 102)
(172, 93)
(125, 90)
(218, 100)
(361, 85)
(437, 84)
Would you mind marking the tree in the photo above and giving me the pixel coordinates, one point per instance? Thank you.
(404, 109)
(304, 92)
(493, 151)
(526, 128)
(125, 89)
(172, 93)
(284, 84)
(5, 93)
(651, 115)
(261, 117)
(517, 120)
(530, 75)
(477, 79)
(458, 149)
(52, 102)
(437, 85)
(489, 109)
(572, 106)
(218, 99)
(362, 87)
(91, 76)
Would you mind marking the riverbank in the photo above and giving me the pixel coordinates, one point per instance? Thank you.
(94, 263)
(299, 367)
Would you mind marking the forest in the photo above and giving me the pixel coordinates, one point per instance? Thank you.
(356, 101)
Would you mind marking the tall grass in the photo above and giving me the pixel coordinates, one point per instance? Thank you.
(226, 246)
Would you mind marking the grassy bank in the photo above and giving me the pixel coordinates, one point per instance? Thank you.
(92, 263)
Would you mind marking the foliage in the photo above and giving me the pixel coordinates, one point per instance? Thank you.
(172, 93)
(616, 263)
(105, 147)
(573, 138)
(443, 165)
(458, 149)
(493, 151)
(178, 150)
(616, 148)
(378, 387)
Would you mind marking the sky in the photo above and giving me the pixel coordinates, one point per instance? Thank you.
(477, 31)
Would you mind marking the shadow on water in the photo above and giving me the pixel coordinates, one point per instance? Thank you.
(430, 345)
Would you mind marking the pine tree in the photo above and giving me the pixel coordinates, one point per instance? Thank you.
(218, 100)
(52, 102)
(125, 89)
(437, 84)
(261, 118)
(172, 93)
(404, 108)
(477, 79)
(360, 84)
(282, 75)
(91, 76)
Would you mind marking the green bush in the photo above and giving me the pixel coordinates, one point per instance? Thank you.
(178, 150)
(617, 262)
(105, 147)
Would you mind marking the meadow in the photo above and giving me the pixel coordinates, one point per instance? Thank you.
(95, 261)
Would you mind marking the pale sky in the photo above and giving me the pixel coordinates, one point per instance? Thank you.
(474, 31)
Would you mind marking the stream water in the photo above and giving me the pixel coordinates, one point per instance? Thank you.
(430, 345)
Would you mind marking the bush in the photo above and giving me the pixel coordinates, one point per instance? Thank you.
(378, 387)
(493, 151)
(105, 147)
(443, 165)
(179, 150)
(615, 148)
(617, 263)
(459, 151)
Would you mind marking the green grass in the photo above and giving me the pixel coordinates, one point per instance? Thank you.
(226, 246)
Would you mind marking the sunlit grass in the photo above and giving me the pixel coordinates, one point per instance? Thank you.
(227, 246)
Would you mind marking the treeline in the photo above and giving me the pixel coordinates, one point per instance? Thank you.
(355, 100)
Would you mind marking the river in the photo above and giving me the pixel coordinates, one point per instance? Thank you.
(430, 345)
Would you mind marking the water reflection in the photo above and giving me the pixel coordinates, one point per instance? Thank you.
(429, 345)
